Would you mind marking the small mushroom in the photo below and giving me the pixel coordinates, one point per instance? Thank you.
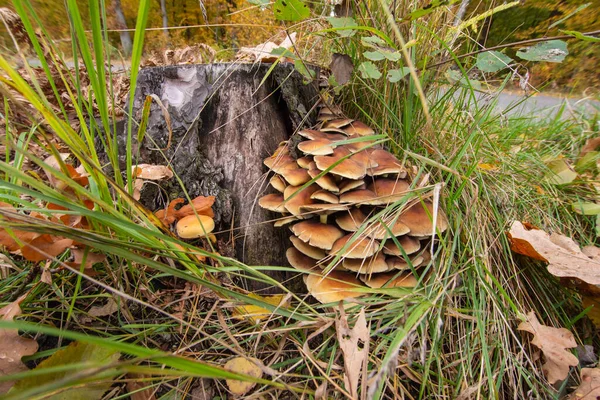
(306, 249)
(386, 163)
(325, 181)
(358, 128)
(296, 176)
(349, 184)
(338, 123)
(409, 245)
(359, 197)
(325, 196)
(317, 147)
(295, 197)
(318, 135)
(351, 220)
(284, 221)
(194, 226)
(272, 202)
(336, 286)
(369, 265)
(280, 163)
(344, 167)
(350, 247)
(317, 234)
(389, 190)
(300, 261)
(390, 280)
(401, 264)
(278, 183)
(419, 219)
(304, 162)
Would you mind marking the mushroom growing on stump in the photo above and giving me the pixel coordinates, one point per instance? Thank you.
(350, 204)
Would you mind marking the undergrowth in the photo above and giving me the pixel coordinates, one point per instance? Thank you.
(452, 337)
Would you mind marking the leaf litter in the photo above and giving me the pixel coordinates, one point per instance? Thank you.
(354, 343)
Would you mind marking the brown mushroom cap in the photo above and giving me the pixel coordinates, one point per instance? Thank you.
(317, 135)
(317, 147)
(317, 234)
(296, 176)
(280, 163)
(300, 261)
(390, 280)
(350, 247)
(360, 196)
(401, 264)
(326, 181)
(386, 162)
(278, 183)
(351, 220)
(304, 162)
(325, 196)
(296, 198)
(272, 202)
(284, 221)
(347, 168)
(369, 265)
(338, 123)
(306, 249)
(358, 128)
(389, 190)
(334, 287)
(348, 184)
(381, 230)
(320, 209)
(419, 219)
(194, 226)
(409, 245)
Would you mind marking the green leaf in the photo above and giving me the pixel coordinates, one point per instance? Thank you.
(550, 51)
(394, 75)
(373, 40)
(283, 52)
(492, 61)
(581, 36)
(586, 208)
(76, 352)
(374, 55)
(368, 70)
(290, 10)
(560, 173)
(342, 23)
(309, 74)
(379, 55)
(261, 3)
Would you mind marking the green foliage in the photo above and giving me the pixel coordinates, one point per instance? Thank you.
(290, 10)
(368, 70)
(550, 51)
(90, 355)
(492, 61)
(343, 22)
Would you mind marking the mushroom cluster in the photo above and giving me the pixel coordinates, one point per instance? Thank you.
(355, 216)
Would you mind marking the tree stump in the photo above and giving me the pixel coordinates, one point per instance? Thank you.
(225, 120)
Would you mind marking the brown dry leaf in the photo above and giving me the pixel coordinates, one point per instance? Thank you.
(262, 52)
(257, 313)
(7, 239)
(355, 347)
(90, 259)
(13, 346)
(553, 342)
(136, 390)
(591, 145)
(109, 308)
(151, 172)
(246, 366)
(563, 254)
(44, 247)
(589, 389)
(54, 164)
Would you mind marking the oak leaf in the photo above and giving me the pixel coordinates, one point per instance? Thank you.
(13, 346)
(245, 366)
(355, 347)
(257, 313)
(589, 389)
(553, 342)
(563, 255)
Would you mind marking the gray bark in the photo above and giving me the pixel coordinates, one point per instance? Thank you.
(224, 124)
(460, 14)
(122, 24)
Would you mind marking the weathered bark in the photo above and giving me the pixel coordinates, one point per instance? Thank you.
(224, 123)
(122, 24)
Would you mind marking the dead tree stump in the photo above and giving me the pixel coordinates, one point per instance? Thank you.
(225, 120)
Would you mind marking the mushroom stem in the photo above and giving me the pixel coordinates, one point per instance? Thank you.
(323, 218)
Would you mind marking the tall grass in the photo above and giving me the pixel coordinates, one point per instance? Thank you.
(453, 335)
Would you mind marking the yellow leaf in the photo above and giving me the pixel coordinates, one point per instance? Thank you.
(589, 389)
(487, 167)
(246, 366)
(257, 313)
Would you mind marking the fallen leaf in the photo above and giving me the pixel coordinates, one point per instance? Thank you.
(53, 164)
(151, 172)
(257, 313)
(591, 145)
(44, 247)
(553, 342)
(138, 390)
(13, 346)
(560, 173)
(75, 352)
(90, 258)
(109, 308)
(487, 167)
(341, 67)
(264, 51)
(355, 347)
(589, 389)
(246, 366)
(564, 257)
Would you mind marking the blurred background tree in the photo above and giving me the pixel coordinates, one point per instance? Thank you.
(540, 18)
